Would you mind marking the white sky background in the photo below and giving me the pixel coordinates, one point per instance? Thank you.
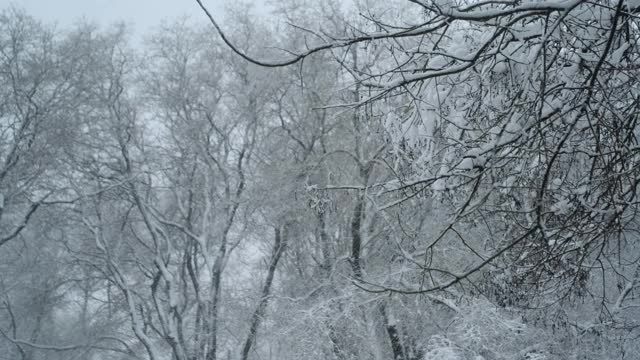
(142, 15)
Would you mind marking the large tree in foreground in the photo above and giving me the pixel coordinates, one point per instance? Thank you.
(522, 117)
(526, 110)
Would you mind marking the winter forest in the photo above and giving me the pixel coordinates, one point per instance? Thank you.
(383, 179)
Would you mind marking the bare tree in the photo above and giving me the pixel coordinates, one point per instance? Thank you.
(516, 114)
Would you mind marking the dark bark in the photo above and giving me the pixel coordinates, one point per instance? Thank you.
(279, 247)
(356, 238)
(394, 336)
(212, 332)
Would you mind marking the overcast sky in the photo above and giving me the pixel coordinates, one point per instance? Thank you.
(143, 14)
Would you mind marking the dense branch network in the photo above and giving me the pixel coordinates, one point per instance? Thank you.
(519, 107)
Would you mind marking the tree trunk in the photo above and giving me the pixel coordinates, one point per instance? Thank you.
(394, 336)
(279, 246)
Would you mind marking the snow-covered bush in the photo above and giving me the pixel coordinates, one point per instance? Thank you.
(482, 331)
